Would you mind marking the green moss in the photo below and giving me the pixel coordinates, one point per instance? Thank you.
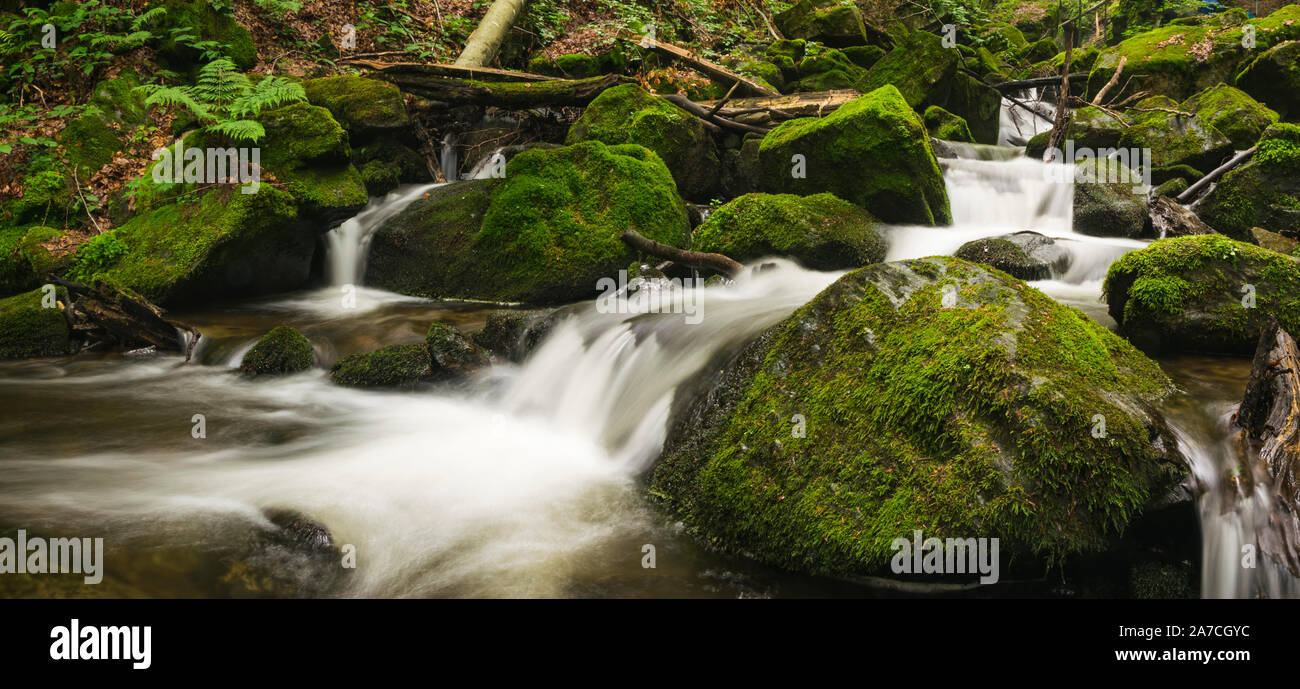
(1091, 127)
(821, 231)
(827, 22)
(1185, 293)
(1238, 116)
(380, 177)
(283, 350)
(1042, 49)
(452, 353)
(1176, 140)
(207, 22)
(969, 421)
(1004, 255)
(1262, 193)
(918, 66)
(29, 329)
(546, 232)
(872, 151)
(308, 150)
(364, 107)
(33, 252)
(116, 99)
(89, 142)
(628, 114)
(1274, 77)
(864, 56)
(1160, 175)
(95, 255)
(944, 125)
(393, 366)
(1171, 188)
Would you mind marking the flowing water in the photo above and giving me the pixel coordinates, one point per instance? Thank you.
(521, 482)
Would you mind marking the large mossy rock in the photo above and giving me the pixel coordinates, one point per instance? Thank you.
(931, 394)
(308, 150)
(25, 258)
(31, 328)
(1274, 77)
(820, 231)
(1108, 200)
(1091, 128)
(1233, 112)
(927, 74)
(547, 232)
(204, 21)
(946, 126)
(628, 114)
(1177, 60)
(1176, 140)
(873, 151)
(1262, 193)
(824, 21)
(222, 244)
(283, 350)
(366, 108)
(1193, 294)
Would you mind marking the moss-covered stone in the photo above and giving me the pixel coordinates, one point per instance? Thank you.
(1038, 51)
(25, 260)
(1001, 36)
(452, 354)
(392, 366)
(364, 107)
(1037, 145)
(628, 114)
(47, 194)
(944, 125)
(872, 151)
(1160, 175)
(381, 177)
(1090, 127)
(283, 350)
(203, 21)
(89, 142)
(308, 150)
(513, 334)
(934, 395)
(1191, 294)
(222, 244)
(547, 232)
(1108, 201)
(1171, 188)
(864, 56)
(1177, 140)
(820, 231)
(825, 69)
(1025, 255)
(31, 328)
(824, 21)
(1274, 77)
(117, 99)
(1262, 193)
(1231, 111)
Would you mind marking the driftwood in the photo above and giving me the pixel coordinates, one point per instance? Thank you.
(703, 66)
(1270, 414)
(779, 108)
(699, 259)
(1191, 192)
(483, 44)
(454, 71)
(113, 317)
(1039, 81)
(1172, 220)
(703, 113)
(509, 95)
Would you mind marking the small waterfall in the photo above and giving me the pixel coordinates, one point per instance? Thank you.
(449, 159)
(349, 243)
(1020, 121)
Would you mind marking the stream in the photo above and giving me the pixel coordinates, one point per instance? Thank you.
(523, 482)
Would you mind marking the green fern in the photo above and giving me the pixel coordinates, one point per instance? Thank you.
(225, 99)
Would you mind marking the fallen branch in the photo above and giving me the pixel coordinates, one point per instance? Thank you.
(702, 112)
(111, 316)
(508, 95)
(1038, 81)
(808, 104)
(701, 65)
(699, 259)
(1114, 79)
(455, 71)
(1156, 108)
(723, 101)
(1191, 192)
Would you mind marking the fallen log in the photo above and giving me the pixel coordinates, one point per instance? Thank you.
(811, 104)
(703, 66)
(456, 71)
(699, 259)
(1191, 192)
(1039, 81)
(704, 114)
(508, 95)
(1170, 219)
(486, 40)
(128, 321)
(1270, 414)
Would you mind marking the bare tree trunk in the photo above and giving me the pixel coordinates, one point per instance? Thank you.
(483, 44)
(699, 259)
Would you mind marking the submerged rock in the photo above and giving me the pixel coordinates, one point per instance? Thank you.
(453, 355)
(1202, 293)
(513, 335)
(820, 231)
(283, 350)
(931, 394)
(1026, 255)
(873, 151)
(547, 232)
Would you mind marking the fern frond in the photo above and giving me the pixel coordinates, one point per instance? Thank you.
(239, 130)
(271, 92)
(220, 84)
(148, 17)
(169, 96)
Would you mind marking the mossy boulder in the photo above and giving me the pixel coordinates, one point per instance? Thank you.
(825, 21)
(453, 355)
(25, 258)
(204, 21)
(283, 350)
(1090, 127)
(308, 150)
(1037, 145)
(222, 244)
(932, 394)
(513, 334)
(820, 231)
(864, 56)
(1002, 37)
(1262, 193)
(1108, 200)
(46, 196)
(1025, 255)
(824, 69)
(366, 108)
(1274, 77)
(944, 125)
(393, 366)
(628, 114)
(1038, 51)
(927, 73)
(1202, 293)
(31, 326)
(1176, 140)
(872, 151)
(1231, 111)
(547, 232)
(89, 142)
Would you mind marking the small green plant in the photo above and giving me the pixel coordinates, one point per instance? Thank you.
(95, 256)
(226, 100)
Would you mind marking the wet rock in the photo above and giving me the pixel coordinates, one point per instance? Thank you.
(1026, 255)
(1264, 192)
(283, 350)
(514, 334)
(395, 366)
(1272, 240)
(453, 355)
(1273, 78)
(1107, 201)
(1234, 113)
(820, 231)
(946, 126)
(296, 557)
(29, 329)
